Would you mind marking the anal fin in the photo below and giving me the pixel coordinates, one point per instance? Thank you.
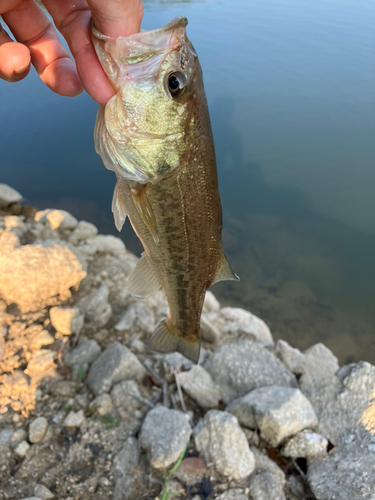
(224, 272)
(118, 208)
(164, 340)
(143, 281)
(144, 208)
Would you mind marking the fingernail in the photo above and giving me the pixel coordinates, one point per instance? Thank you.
(23, 68)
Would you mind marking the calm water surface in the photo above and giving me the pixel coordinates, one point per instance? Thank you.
(291, 90)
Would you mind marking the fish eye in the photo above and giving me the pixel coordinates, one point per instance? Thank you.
(177, 83)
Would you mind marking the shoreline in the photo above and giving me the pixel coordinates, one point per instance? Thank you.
(80, 392)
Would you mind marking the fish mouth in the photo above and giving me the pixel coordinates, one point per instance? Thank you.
(139, 55)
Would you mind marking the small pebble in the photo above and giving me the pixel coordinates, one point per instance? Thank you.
(22, 449)
(38, 429)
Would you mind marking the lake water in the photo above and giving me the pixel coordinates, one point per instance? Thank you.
(291, 91)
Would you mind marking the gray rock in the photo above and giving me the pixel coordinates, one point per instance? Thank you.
(125, 397)
(347, 473)
(66, 320)
(264, 485)
(241, 322)
(37, 429)
(83, 231)
(96, 308)
(115, 364)
(292, 358)
(5, 436)
(319, 364)
(210, 302)
(220, 440)
(57, 219)
(279, 412)
(86, 352)
(103, 244)
(208, 330)
(198, 384)
(33, 274)
(345, 405)
(239, 367)
(306, 444)
(164, 435)
(125, 471)
(102, 405)
(264, 463)
(137, 315)
(8, 196)
(43, 492)
(236, 494)
(22, 449)
(18, 436)
(74, 419)
(175, 361)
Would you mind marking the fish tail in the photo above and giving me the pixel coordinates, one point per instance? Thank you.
(165, 340)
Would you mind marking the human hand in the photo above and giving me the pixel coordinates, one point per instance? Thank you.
(38, 43)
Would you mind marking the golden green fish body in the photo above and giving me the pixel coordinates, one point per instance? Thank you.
(156, 135)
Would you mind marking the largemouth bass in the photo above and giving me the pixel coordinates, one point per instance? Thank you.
(155, 134)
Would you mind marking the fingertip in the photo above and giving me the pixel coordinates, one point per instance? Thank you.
(15, 61)
(62, 78)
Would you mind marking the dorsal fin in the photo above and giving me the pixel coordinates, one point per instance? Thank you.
(118, 208)
(143, 281)
(224, 272)
(144, 208)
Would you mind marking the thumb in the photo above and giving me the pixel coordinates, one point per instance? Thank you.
(117, 17)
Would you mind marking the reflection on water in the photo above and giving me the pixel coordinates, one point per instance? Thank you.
(291, 90)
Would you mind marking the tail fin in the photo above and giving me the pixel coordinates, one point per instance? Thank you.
(164, 340)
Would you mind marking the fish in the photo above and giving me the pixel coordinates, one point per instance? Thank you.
(155, 135)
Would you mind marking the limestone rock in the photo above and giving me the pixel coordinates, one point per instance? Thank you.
(22, 449)
(33, 274)
(103, 244)
(220, 440)
(279, 412)
(74, 419)
(127, 474)
(115, 364)
(264, 485)
(210, 302)
(125, 397)
(102, 405)
(37, 429)
(57, 219)
(319, 363)
(8, 196)
(86, 352)
(137, 315)
(43, 492)
(208, 330)
(66, 320)
(96, 308)
(292, 358)
(264, 463)
(306, 444)
(41, 363)
(83, 231)
(239, 367)
(198, 384)
(164, 435)
(241, 322)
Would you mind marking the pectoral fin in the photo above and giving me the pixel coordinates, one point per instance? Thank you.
(118, 208)
(144, 209)
(143, 281)
(224, 272)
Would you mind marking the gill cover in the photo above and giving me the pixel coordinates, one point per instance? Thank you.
(139, 134)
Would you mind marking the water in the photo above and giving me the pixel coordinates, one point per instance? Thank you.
(291, 90)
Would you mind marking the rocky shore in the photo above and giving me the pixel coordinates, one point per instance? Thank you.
(86, 411)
